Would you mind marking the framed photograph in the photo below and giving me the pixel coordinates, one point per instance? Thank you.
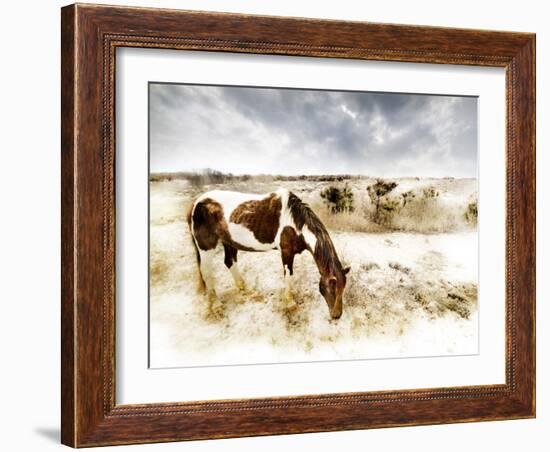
(281, 225)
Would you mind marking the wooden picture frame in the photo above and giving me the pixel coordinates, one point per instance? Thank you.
(90, 35)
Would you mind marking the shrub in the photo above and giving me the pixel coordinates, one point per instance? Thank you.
(408, 196)
(379, 189)
(430, 192)
(470, 215)
(386, 210)
(337, 199)
(383, 205)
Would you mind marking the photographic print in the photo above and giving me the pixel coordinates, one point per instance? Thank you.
(297, 225)
(261, 217)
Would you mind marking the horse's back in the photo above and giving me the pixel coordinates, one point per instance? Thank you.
(230, 200)
(252, 220)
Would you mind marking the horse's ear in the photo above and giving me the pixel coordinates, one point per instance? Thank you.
(346, 270)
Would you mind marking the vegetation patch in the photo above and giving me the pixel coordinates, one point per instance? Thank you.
(470, 215)
(398, 267)
(338, 199)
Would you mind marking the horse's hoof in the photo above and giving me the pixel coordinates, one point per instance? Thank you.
(291, 306)
(288, 298)
(241, 286)
(217, 311)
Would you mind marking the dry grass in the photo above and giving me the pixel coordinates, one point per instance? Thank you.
(397, 280)
(471, 213)
(418, 215)
(356, 221)
(158, 271)
(392, 307)
(427, 214)
(424, 206)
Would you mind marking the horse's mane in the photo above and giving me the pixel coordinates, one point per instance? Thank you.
(324, 252)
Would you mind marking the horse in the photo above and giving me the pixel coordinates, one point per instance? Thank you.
(274, 221)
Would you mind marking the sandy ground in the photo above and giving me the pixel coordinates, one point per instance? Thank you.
(408, 294)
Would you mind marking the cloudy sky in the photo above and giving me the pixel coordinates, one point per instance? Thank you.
(288, 131)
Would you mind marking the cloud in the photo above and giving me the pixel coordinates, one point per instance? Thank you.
(291, 131)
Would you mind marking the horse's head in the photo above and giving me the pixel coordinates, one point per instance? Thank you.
(332, 288)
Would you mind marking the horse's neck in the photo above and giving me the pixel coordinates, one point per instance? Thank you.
(314, 233)
(324, 254)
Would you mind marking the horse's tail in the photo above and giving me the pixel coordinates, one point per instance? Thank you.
(201, 287)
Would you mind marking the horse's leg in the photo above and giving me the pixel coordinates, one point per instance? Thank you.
(207, 272)
(230, 261)
(288, 245)
(288, 294)
(201, 286)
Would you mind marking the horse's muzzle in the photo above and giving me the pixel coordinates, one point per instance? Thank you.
(336, 314)
(337, 308)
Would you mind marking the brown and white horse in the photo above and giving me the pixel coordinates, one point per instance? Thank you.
(249, 222)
